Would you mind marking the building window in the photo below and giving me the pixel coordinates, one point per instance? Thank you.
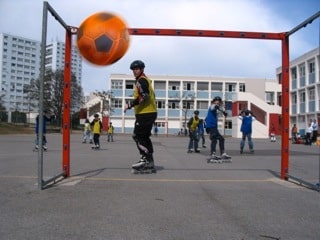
(242, 87)
(231, 87)
(302, 70)
(187, 105)
(189, 86)
(270, 98)
(228, 124)
(311, 65)
(311, 94)
(203, 86)
(115, 84)
(160, 124)
(302, 97)
(294, 73)
(129, 84)
(172, 105)
(161, 104)
(202, 105)
(116, 103)
(159, 85)
(216, 86)
(294, 98)
(174, 85)
(280, 78)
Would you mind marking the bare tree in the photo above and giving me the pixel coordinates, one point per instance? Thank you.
(106, 99)
(53, 92)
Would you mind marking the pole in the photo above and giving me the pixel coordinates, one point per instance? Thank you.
(42, 69)
(285, 109)
(66, 106)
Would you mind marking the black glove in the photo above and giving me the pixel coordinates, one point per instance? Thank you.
(128, 106)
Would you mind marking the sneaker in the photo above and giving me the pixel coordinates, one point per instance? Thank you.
(241, 150)
(225, 156)
(190, 151)
(36, 147)
(251, 151)
(204, 146)
(197, 151)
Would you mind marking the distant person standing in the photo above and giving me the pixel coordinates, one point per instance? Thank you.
(155, 129)
(46, 117)
(193, 124)
(87, 132)
(314, 126)
(96, 125)
(294, 133)
(272, 133)
(308, 136)
(110, 132)
(246, 128)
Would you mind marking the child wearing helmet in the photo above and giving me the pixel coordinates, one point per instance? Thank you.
(212, 128)
(247, 118)
(145, 108)
(193, 124)
(96, 125)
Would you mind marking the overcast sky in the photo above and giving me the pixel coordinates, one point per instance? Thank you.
(179, 55)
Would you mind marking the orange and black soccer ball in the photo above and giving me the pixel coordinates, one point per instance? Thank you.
(103, 38)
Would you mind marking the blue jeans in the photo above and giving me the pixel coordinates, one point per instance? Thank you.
(193, 142)
(243, 141)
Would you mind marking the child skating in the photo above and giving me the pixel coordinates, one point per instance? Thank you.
(246, 128)
(215, 136)
(87, 132)
(96, 125)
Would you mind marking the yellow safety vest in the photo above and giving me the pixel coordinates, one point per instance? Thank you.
(194, 124)
(97, 127)
(148, 105)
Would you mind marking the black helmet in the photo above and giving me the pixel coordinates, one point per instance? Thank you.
(217, 98)
(96, 115)
(247, 112)
(137, 64)
(196, 112)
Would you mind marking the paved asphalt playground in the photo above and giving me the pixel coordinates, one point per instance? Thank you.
(186, 199)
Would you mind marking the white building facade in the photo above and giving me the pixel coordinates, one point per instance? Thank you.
(179, 96)
(304, 89)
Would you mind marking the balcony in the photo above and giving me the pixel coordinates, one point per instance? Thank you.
(312, 78)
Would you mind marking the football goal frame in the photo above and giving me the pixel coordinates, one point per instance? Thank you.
(283, 37)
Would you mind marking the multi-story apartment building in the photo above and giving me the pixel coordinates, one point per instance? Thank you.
(55, 59)
(304, 89)
(178, 96)
(19, 63)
